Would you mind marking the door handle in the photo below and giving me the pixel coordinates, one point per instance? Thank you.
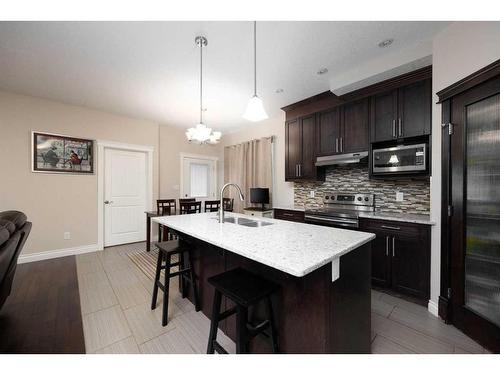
(393, 246)
(108, 202)
(400, 125)
(389, 227)
(386, 246)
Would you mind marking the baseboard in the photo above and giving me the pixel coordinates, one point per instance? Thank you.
(51, 254)
(433, 308)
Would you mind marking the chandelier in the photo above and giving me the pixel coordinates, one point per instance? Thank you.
(201, 133)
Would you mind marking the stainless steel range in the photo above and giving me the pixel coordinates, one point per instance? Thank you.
(341, 210)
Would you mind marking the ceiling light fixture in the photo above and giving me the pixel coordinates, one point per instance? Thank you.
(322, 71)
(255, 108)
(201, 133)
(385, 43)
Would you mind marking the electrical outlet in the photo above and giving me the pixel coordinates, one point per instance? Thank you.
(67, 235)
(399, 196)
(312, 194)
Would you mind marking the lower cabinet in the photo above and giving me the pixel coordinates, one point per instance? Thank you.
(290, 215)
(400, 256)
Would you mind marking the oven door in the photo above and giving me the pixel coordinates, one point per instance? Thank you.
(329, 221)
(400, 159)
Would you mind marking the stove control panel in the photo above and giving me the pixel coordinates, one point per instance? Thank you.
(349, 199)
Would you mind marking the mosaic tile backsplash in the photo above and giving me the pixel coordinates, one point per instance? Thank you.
(354, 178)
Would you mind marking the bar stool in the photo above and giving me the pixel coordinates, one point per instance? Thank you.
(245, 289)
(165, 252)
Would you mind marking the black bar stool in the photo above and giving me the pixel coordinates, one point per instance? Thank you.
(245, 289)
(165, 252)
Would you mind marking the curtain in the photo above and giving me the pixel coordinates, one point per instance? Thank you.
(249, 164)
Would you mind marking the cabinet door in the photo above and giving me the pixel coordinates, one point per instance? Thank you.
(307, 168)
(414, 115)
(410, 262)
(328, 136)
(355, 127)
(381, 274)
(293, 148)
(384, 114)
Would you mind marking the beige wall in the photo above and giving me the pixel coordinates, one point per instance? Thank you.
(282, 190)
(58, 203)
(172, 142)
(459, 50)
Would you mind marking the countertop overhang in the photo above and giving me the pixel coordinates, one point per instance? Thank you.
(294, 248)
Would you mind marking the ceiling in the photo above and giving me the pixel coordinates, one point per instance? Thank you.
(150, 70)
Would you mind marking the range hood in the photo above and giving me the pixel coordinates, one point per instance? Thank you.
(355, 157)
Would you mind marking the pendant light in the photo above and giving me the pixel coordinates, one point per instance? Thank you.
(201, 133)
(255, 109)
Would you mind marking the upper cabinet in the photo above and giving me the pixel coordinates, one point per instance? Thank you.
(343, 129)
(300, 148)
(355, 127)
(326, 124)
(328, 132)
(402, 113)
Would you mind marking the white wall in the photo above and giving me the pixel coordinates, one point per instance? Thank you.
(459, 50)
(282, 190)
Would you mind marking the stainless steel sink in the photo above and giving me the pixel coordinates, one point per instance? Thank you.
(246, 222)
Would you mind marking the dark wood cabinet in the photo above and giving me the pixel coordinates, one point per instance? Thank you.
(402, 113)
(384, 112)
(290, 215)
(414, 109)
(328, 132)
(354, 127)
(300, 149)
(400, 256)
(293, 135)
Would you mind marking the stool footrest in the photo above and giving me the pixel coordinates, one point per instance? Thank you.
(228, 313)
(180, 272)
(219, 348)
(254, 330)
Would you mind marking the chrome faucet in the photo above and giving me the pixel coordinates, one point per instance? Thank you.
(221, 209)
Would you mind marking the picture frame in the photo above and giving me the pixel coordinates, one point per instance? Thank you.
(57, 153)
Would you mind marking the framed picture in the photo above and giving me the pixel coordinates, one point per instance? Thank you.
(55, 153)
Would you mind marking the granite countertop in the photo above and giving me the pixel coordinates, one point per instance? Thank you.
(294, 248)
(395, 216)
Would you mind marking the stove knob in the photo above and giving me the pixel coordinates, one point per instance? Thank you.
(360, 199)
(327, 197)
(367, 199)
(333, 197)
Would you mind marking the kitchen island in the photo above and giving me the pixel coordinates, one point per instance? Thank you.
(324, 274)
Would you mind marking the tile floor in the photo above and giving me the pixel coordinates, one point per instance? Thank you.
(115, 300)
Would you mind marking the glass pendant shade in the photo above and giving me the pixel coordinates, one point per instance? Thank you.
(255, 110)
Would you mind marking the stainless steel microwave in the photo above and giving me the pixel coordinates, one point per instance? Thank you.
(400, 159)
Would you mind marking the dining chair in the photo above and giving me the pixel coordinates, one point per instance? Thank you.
(190, 208)
(212, 206)
(165, 207)
(228, 204)
(184, 200)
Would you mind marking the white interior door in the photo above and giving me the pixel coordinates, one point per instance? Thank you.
(125, 181)
(199, 178)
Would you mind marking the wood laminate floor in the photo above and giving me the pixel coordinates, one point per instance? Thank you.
(42, 314)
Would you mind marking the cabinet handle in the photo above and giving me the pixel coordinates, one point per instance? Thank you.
(394, 128)
(389, 227)
(393, 246)
(386, 246)
(336, 145)
(296, 170)
(300, 170)
(341, 144)
(400, 125)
